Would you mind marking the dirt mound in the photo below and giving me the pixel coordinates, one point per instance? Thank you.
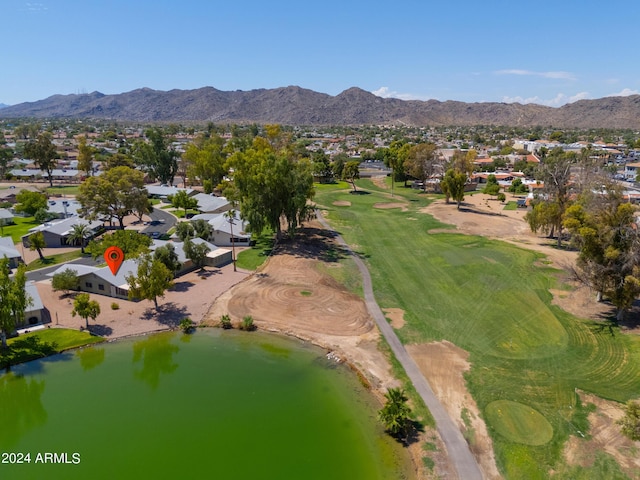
(291, 295)
(342, 203)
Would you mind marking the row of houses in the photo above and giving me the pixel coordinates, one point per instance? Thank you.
(101, 281)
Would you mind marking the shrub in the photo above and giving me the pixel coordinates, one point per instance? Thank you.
(115, 306)
(225, 322)
(186, 325)
(502, 197)
(247, 324)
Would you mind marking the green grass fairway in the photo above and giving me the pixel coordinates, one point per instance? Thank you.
(58, 190)
(518, 423)
(491, 299)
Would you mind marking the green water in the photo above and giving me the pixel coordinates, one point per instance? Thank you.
(219, 405)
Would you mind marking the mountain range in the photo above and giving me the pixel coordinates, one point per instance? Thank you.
(299, 106)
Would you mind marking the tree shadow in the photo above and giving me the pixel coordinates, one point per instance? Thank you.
(209, 273)
(313, 243)
(359, 192)
(411, 434)
(169, 314)
(181, 286)
(100, 330)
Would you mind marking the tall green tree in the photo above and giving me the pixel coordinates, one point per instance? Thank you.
(396, 413)
(153, 279)
(156, 156)
(168, 256)
(423, 162)
(85, 308)
(37, 243)
(132, 244)
(182, 200)
(603, 227)
(116, 193)
(452, 186)
(205, 159)
(272, 185)
(66, 280)
(555, 172)
(351, 172)
(43, 152)
(185, 230)
(30, 202)
(13, 299)
(196, 252)
(86, 154)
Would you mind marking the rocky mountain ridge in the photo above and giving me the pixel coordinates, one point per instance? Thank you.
(298, 106)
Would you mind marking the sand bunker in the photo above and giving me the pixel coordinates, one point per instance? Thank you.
(342, 203)
(387, 205)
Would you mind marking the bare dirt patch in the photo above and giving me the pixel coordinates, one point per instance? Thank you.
(396, 315)
(388, 205)
(342, 203)
(605, 436)
(443, 365)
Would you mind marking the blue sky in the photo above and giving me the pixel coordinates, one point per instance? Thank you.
(547, 52)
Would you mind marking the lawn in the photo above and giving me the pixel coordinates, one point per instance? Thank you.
(491, 299)
(50, 260)
(21, 227)
(255, 256)
(43, 343)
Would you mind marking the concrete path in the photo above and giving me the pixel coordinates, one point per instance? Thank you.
(457, 447)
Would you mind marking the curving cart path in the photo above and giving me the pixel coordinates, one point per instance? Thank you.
(457, 447)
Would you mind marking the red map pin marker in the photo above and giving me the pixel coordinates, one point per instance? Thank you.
(114, 257)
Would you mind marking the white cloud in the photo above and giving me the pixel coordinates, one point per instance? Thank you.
(554, 75)
(625, 93)
(559, 100)
(36, 7)
(385, 92)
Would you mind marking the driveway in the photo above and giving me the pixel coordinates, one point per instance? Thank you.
(159, 222)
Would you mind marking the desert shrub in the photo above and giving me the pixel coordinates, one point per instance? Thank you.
(225, 322)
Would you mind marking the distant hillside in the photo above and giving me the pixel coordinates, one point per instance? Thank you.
(3, 105)
(299, 106)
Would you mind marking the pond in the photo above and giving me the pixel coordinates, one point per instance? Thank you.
(215, 404)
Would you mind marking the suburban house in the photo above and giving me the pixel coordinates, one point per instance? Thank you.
(57, 232)
(163, 191)
(35, 313)
(631, 170)
(216, 257)
(209, 203)
(221, 229)
(7, 249)
(6, 217)
(9, 195)
(101, 281)
(63, 208)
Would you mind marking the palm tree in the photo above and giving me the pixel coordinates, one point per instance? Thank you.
(79, 233)
(395, 413)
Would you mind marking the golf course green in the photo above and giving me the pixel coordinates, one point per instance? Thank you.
(492, 299)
